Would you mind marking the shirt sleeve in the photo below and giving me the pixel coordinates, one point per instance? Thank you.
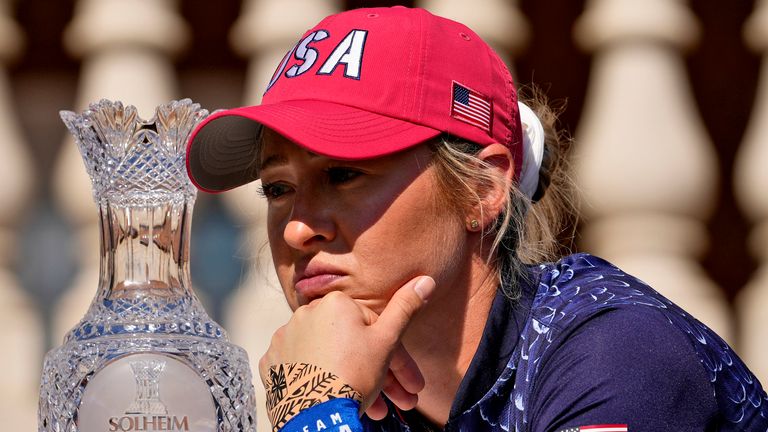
(333, 415)
(624, 366)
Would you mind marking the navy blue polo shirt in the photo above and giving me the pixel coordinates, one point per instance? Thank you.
(589, 345)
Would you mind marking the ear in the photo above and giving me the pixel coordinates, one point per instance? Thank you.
(493, 195)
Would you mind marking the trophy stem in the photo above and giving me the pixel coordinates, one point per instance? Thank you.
(144, 250)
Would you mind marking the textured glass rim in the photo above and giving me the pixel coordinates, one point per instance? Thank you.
(106, 136)
(103, 103)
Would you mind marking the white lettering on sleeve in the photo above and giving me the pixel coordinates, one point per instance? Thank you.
(336, 418)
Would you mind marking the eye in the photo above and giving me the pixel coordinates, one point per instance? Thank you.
(272, 191)
(341, 175)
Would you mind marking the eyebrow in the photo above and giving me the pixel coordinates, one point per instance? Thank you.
(279, 159)
(273, 160)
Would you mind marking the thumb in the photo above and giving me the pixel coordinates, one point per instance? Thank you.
(401, 308)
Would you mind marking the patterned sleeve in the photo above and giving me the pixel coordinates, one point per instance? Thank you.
(626, 366)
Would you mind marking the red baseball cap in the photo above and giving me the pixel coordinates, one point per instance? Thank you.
(362, 84)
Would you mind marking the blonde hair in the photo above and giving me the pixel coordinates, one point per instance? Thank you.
(528, 230)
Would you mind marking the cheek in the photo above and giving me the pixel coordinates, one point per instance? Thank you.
(274, 234)
(416, 236)
(281, 258)
(438, 242)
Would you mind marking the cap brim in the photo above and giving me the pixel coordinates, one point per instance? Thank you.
(222, 151)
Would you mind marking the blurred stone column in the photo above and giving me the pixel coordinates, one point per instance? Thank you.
(127, 49)
(22, 331)
(751, 183)
(265, 31)
(644, 163)
(500, 23)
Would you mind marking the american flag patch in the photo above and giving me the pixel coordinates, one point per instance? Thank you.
(597, 428)
(471, 107)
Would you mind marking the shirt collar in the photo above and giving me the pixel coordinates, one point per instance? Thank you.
(500, 337)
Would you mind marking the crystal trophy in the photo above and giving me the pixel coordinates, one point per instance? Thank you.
(146, 356)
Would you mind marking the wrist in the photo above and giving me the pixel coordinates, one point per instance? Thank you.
(294, 387)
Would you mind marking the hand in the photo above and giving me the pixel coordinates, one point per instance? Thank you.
(401, 385)
(341, 336)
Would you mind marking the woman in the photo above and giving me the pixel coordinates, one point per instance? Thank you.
(408, 194)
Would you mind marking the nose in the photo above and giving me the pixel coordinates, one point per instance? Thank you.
(308, 228)
(299, 235)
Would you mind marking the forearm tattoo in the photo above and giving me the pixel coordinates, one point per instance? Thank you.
(293, 387)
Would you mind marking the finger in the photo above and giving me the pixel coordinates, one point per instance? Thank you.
(268, 359)
(406, 371)
(269, 374)
(264, 370)
(369, 316)
(378, 409)
(398, 395)
(342, 304)
(404, 304)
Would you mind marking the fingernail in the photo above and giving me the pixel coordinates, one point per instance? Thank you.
(424, 287)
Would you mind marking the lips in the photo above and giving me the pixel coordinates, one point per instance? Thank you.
(316, 280)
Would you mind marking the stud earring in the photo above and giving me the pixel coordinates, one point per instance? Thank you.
(474, 224)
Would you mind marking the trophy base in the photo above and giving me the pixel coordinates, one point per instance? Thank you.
(147, 383)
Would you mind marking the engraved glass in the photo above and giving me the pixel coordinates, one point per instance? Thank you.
(146, 356)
